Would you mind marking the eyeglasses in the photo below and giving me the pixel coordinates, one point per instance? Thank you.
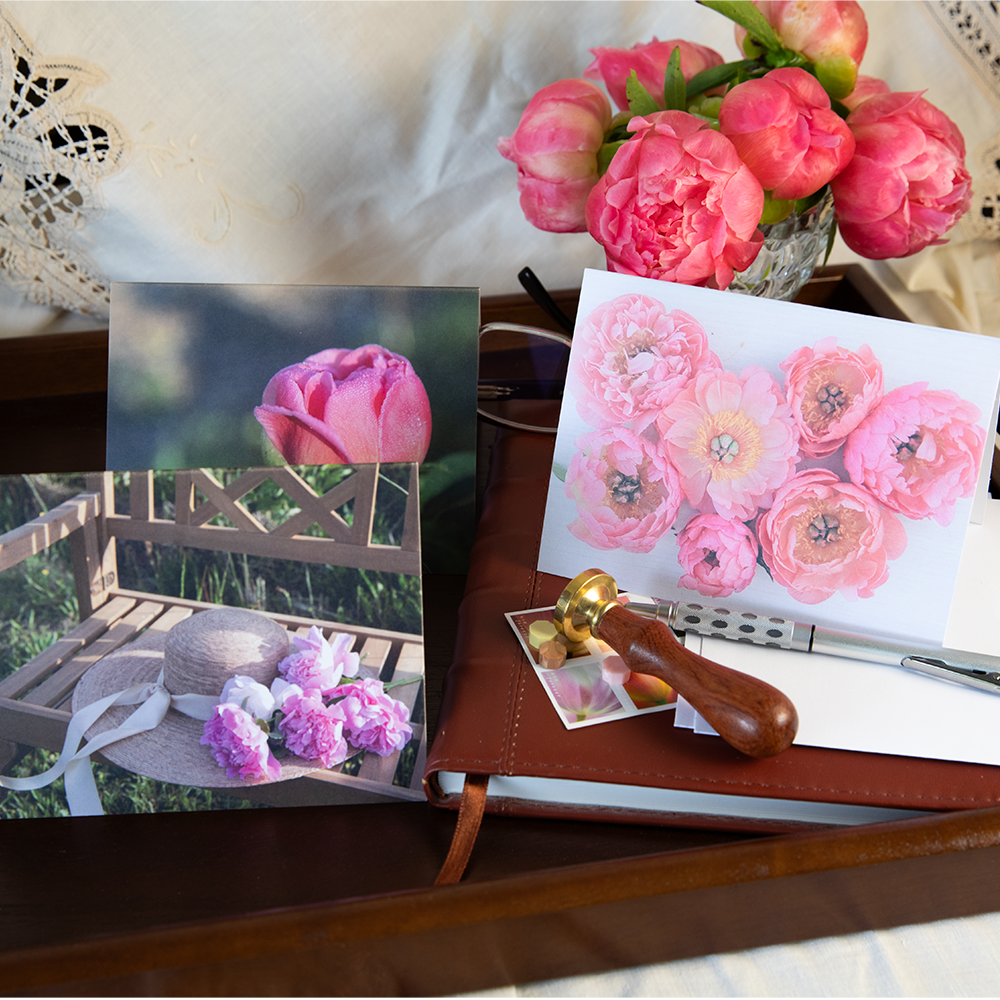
(522, 374)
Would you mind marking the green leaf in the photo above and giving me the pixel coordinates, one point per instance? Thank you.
(716, 76)
(746, 15)
(559, 471)
(640, 101)
(674, 84)
(606, 154)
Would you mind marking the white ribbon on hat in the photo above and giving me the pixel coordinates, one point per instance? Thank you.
(153, 700)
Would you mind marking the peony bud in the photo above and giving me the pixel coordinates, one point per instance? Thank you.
(832, 34)
(555, 148)
(347, 406)
(649, 61)
(785, 132)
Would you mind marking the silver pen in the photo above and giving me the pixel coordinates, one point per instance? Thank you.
(976, 670)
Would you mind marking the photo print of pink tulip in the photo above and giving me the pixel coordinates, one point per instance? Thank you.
(342, 407)
(207, 375)
(769, 454)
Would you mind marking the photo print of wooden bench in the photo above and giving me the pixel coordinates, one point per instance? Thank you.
(35, 699)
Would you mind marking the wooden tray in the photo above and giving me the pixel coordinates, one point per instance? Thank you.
(338, 900)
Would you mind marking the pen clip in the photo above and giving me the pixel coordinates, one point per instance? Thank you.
(987, 680)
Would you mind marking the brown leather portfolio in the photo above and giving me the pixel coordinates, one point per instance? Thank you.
(496, 721)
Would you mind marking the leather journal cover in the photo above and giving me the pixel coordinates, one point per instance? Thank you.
(496, 721)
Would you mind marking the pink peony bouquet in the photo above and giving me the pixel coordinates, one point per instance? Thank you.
(702, 152)
(804, 479)
(307, 711)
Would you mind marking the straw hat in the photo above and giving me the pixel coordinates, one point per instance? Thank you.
(197, 656)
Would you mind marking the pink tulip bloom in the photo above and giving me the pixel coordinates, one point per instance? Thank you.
(633, 359)
(918, 452)
(555, 148)
(823, 537)
(784, 131)
(830, 390)
(677, 203)
(733, 441)
(579, 696)
(718, 555)
(907, 184)
(347, 406)
(626, 493)
(832, 34)
(649, 60)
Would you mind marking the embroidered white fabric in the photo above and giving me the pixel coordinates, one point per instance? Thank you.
(348, 142)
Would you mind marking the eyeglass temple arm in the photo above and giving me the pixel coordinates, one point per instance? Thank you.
(531, 284)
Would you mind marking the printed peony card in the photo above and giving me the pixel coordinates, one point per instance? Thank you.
(225, 375)
(782, 458)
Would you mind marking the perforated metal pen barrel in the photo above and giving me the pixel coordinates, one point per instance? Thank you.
(959, 666)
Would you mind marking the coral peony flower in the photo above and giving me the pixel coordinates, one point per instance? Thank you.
(907, 184)
(314, 731)
(633, 358)
(373, 719)
(733, 440)
(318, 664)
(580, 696)
(784, 131)
(867, 86)
(822, 536)
(343, 406)
(626, 492)
(239, 745)
(832, 34)
(250, 695)
(918, 452)
(718, 555)
(555, 148)
(649, 60)
(677, 203)
(830, 390)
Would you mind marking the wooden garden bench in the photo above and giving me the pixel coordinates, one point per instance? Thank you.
(35, 699)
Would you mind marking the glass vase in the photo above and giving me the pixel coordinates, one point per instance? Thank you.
(792, 250)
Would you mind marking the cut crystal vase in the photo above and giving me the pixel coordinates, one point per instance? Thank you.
(792, 250)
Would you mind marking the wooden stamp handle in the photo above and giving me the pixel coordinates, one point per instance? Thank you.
(747, 713)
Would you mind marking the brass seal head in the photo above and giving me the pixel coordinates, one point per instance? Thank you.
(582, 605)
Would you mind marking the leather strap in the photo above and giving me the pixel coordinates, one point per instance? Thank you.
(470, 816)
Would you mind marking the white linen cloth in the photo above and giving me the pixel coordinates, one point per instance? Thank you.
(354, 142)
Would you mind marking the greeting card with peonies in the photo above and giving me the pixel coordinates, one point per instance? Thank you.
(784, 458)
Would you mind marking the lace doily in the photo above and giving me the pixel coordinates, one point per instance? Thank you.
(54, 152)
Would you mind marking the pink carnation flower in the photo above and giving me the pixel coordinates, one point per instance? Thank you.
(918, 452)
(626, 492)
(635, 358)
(314, 731)
(239, 745)
(374, 720)
(317, 663)
(822, 536)
(718, 556)
(830, 390)
(733, 440)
